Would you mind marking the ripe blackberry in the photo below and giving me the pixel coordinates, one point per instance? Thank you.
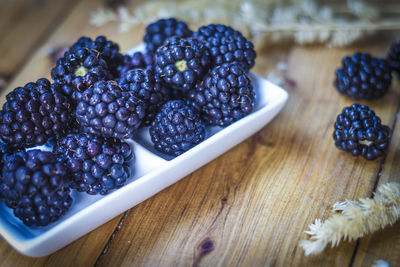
(34, 113)
(35, 185)
(144, 85)
(108, 50)
(363, 76)
(159, 31)
(394, 57)
(360, 132)
(227, 45)
(138, 60)
(225, 95)
(177, 128)
(79, 69)
(107, 109)
(98, 165)
(181, 62)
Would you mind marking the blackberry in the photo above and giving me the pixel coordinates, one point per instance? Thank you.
(181, 62)
(138, 60)
(394, 57)
(225, 95)
(35, 185)
(107, 109)
(177, 128)
(360, 132)
(108, 50)
(98, 165)
(143, 84)
(227, 45)
(159, 31)
(79, 69)
(363, 76)
(34, 113)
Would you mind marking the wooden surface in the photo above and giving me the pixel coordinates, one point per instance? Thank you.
(248, 207)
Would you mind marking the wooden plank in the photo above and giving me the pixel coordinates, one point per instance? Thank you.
(250, 206)
(24, 25)
(385, 244)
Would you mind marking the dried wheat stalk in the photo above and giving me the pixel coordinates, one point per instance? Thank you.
(355, 219)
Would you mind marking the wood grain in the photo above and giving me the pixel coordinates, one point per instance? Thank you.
(385, 244)
(24, 24)
(250, 206)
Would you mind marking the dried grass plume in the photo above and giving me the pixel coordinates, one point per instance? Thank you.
(355, 219)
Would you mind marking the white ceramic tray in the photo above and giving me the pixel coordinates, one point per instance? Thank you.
(154, 171)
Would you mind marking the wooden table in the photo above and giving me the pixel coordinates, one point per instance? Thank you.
(248, 207)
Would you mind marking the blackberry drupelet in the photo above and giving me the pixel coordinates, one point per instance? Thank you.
(363, 76)
(225, 95)
(181, 63)
(138, 60)
(360, 132)
(107, 109)
(394, 57)
(227, 45)
(79, 69)
(98, 165)
(108, 50)
(143, 83)
(4, 149)
(35, 185)
(33, 114)
(177, 128)
(159, 31)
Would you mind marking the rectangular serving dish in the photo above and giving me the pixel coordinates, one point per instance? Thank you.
(154, 171)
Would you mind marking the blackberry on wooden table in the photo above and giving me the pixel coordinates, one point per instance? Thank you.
(363, 76)
(360, 132)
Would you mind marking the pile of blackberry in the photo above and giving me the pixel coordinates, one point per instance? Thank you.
(99, 99)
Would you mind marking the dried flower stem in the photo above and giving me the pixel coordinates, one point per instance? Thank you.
(364, 26)
(355, 220)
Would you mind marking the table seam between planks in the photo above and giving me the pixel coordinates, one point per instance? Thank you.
(378, 177)
(112, 236)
